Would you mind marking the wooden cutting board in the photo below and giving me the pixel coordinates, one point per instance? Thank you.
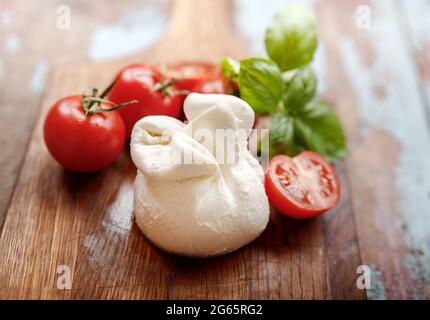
(59, 221)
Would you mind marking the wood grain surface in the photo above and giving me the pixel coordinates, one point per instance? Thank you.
(56, 218)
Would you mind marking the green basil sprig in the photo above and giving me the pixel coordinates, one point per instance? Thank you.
(299, 120)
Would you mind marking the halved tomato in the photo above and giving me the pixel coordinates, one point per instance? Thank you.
(302, 187)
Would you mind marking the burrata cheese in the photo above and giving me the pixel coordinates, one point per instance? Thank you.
(198, 190)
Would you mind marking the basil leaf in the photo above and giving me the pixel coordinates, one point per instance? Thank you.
(230, 68)
(261, 84)
(317, 128)
(301, 89)
(291, 39)
(281, 135)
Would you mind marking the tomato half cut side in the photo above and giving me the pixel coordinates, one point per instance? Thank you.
(302, 187)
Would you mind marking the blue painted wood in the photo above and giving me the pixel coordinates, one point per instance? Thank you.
(373, 64)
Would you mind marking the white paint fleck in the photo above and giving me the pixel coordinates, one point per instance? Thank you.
(12, 43)
(5, 19)
(377, 290)
(319, 64)
(37, 83)
(135, 31)
(115, 227)
(417, 13)
(120, 212)
(252, 18)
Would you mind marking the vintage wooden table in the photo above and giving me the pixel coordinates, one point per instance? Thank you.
(374, 67)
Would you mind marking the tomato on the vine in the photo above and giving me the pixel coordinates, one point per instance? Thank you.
(155, 94)
(302, 187)
(83, 134)
(199, 77)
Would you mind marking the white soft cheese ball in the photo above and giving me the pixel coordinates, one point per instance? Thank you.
(204, 208)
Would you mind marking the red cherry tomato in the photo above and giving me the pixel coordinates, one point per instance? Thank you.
(146, 85)
(199, 77)
(219, 84)
(81, 142)
(302, 187)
